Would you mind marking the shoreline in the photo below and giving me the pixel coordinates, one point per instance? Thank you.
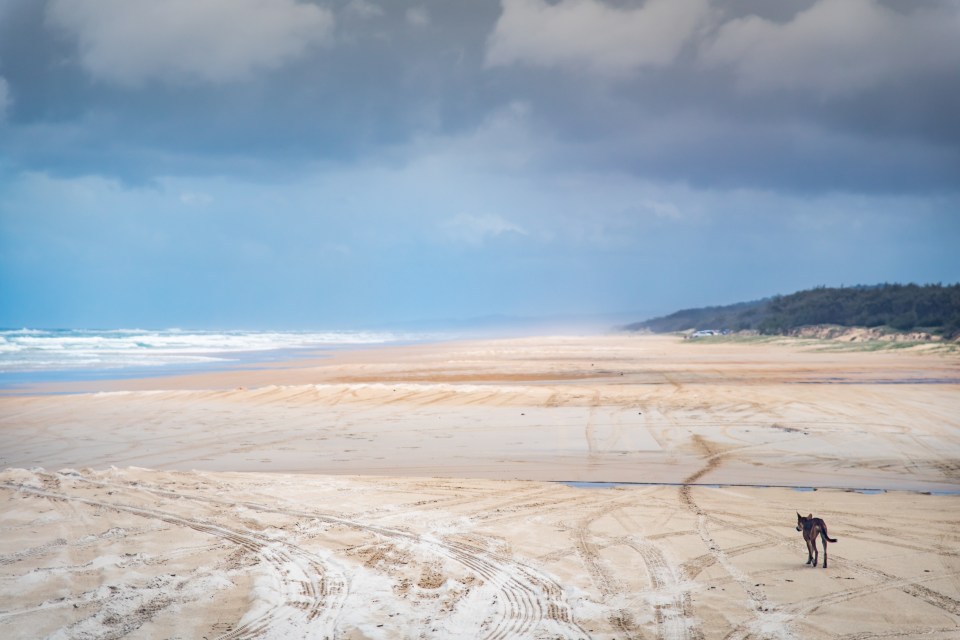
(290, 366)
(302, 366)
(94, 379)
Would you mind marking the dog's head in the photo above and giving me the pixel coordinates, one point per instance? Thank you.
(801, 521)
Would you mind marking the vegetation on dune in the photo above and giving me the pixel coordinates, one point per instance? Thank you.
(934, 309)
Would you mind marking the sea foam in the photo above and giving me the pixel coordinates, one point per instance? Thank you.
(26, 350)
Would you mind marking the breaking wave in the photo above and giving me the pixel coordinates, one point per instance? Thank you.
(23, 350)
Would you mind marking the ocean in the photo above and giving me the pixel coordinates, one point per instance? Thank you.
(33, 355)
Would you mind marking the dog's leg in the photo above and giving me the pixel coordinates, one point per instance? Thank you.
(823, 535)
(809, 551)
(813, 542)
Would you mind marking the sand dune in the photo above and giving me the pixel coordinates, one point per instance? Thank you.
(401, 494)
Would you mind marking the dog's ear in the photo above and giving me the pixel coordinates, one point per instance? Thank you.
(799, 517)
(810, 517)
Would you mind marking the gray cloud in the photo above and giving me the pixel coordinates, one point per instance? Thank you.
(657, 90)
(132, 41)
(364, 9)
(418, 16)
(592, 35)
(838, 47)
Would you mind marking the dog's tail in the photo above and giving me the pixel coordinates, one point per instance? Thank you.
(823, 531)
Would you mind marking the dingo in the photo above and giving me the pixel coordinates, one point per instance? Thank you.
(811, 528)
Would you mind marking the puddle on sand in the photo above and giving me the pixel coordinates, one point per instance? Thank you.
(580, 484)
(918, 380)
(597, 485)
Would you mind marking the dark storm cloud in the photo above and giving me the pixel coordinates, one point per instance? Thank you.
(379, 79)
(853, 95)
(840, 104)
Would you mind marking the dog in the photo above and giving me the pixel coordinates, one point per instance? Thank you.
(811, 528)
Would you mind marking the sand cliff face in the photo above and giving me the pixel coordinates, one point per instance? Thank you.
(863, 334)
(399, 494)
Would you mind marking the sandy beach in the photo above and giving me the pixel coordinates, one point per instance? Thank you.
(418, 492)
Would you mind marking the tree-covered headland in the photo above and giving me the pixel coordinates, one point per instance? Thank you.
(933, 308)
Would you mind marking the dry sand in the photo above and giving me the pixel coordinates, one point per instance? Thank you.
(402, 493)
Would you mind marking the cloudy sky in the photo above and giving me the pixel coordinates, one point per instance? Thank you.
(344, 163)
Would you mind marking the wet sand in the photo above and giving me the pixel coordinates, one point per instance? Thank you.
(402, 493)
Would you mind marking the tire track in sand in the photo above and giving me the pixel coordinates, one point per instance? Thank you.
(671, 598)
(312, 595)
(527, 597)
(765, 614)
(589, 553)
(674, 616)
